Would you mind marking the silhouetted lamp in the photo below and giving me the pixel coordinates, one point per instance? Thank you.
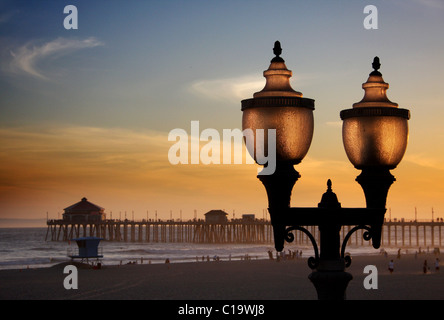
(280, 107)
(375, 131)
(375, 135)
(277, 106)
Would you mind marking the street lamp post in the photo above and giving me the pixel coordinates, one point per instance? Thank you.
(375, 135)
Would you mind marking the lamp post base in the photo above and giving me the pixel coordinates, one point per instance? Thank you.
(330, 285)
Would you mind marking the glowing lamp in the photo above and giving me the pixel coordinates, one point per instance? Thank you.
(375, 132)
(280, 107)
(375, 135)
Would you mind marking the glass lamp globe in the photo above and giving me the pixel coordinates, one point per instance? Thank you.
(375, 132)
(279, 107)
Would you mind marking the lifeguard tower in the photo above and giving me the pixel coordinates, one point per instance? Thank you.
(88, 248)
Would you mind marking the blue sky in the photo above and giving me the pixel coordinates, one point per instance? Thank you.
(143, 54)
(143, 68)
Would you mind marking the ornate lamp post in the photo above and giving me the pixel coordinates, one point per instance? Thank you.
(281, 108)
(375, 134)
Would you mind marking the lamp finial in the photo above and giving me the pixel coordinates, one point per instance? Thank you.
(376, 66)
(277, 50)
(329, 198)
(329, 185)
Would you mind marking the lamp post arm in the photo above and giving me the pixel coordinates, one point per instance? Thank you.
(313, 216)
(313, 262)
(329, 220)
(366, 235)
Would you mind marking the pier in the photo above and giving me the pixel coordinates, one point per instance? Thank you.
(395, 233)
(193, 231)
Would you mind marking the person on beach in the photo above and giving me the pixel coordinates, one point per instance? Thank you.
(437, 265)
(391, 266)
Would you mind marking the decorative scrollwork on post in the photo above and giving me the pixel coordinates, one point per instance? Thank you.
(367, 235)
(312, 262)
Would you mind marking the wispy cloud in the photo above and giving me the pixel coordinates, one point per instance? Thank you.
(228, 88)
(334, 124)
(7, 16)
(73, 143)
(243, 87)
(26, 59)
(425, 161)
(434, 4)
(44, 158)
(121, 163)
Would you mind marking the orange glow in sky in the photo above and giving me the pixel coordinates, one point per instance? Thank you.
(87, 112)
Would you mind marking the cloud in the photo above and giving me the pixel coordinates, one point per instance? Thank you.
(424, 161)
(79, 149)
(243, 87)
(434, 4)
(228, 88)
(7, 16)
(334, 124)
(27, 58)
(41, 163)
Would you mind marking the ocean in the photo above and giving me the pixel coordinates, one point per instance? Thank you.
(22, 248)
(27, 248)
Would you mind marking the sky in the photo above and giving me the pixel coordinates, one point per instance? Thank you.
(86, 112)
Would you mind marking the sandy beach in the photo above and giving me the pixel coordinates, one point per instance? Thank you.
(224, 280)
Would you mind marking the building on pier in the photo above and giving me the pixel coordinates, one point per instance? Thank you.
(84, 211)
(248, 217)
(216, 216)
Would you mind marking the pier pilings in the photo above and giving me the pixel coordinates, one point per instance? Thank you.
(395, 233)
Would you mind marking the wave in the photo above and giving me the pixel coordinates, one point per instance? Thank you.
(41, 249)
(22, 263)
(131, 251)
(20, 248)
